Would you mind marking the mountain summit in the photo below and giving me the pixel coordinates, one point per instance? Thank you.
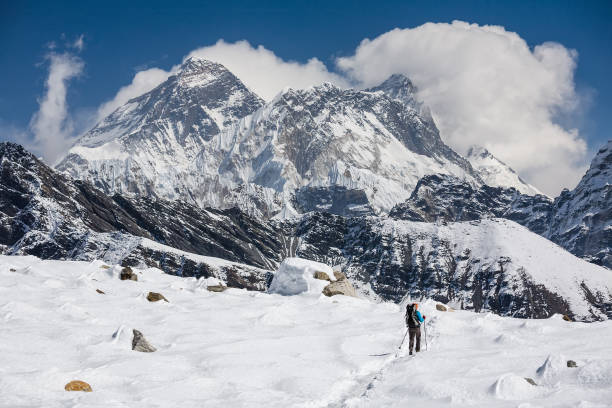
(146, 147)
(496, 173)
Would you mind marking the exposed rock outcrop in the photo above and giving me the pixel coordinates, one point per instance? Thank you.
(156, 297)
(340, 287)
(216, 288)
(139, 343)
(321, 276)
(128, 274)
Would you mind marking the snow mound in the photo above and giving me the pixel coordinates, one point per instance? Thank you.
(513, 387)
(296, 276)
(552, 368)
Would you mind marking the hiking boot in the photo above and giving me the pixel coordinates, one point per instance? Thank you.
(410, 353)
(417, 350)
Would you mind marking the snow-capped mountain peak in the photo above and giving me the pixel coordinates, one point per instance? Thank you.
(147, 146)
(401, 88)
(496, 173)
(369, 145)
(200, 72)
(398, 86)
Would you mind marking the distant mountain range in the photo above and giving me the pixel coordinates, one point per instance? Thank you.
(203, 137)
(201, 177)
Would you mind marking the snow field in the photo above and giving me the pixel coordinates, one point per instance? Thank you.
(482, 360)
(251, 349)
(236, 348)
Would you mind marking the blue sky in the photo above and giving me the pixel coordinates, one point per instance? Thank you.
(121, 39)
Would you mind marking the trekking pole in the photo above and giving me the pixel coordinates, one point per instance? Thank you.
(404, 339)
(425, 328)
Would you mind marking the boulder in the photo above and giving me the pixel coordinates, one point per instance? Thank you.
(567, 318)
(155, 297)
(128, 274)
(321, 275)
(571, 364)
(77, 385)
(216, 288)
(139, 343)
(100, 291)
(530, 381)
(440, 307)
(339, 275)
(105, 267)
(340, 287)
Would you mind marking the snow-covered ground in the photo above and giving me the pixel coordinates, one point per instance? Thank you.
(248, 349)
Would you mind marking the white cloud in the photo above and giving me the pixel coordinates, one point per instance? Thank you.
(486, 86)
(264, 72)
(258, 68)
(79, 43)
(50, 125)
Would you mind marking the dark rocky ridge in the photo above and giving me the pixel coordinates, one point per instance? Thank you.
(446, 198)
(334, 199)
(582, 218)
(49, 215)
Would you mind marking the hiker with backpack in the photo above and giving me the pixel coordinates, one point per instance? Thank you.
(413, 321)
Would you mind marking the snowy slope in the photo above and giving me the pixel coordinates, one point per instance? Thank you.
(496, 173)
(147, 146)
(245, 349)
(483, 360)
(492, 264)
(497, 243)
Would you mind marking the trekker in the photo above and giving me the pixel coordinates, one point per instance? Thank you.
(413, 321)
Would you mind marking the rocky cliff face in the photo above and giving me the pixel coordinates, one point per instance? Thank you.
(582, 217)
(445, 198)
(325, 137)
